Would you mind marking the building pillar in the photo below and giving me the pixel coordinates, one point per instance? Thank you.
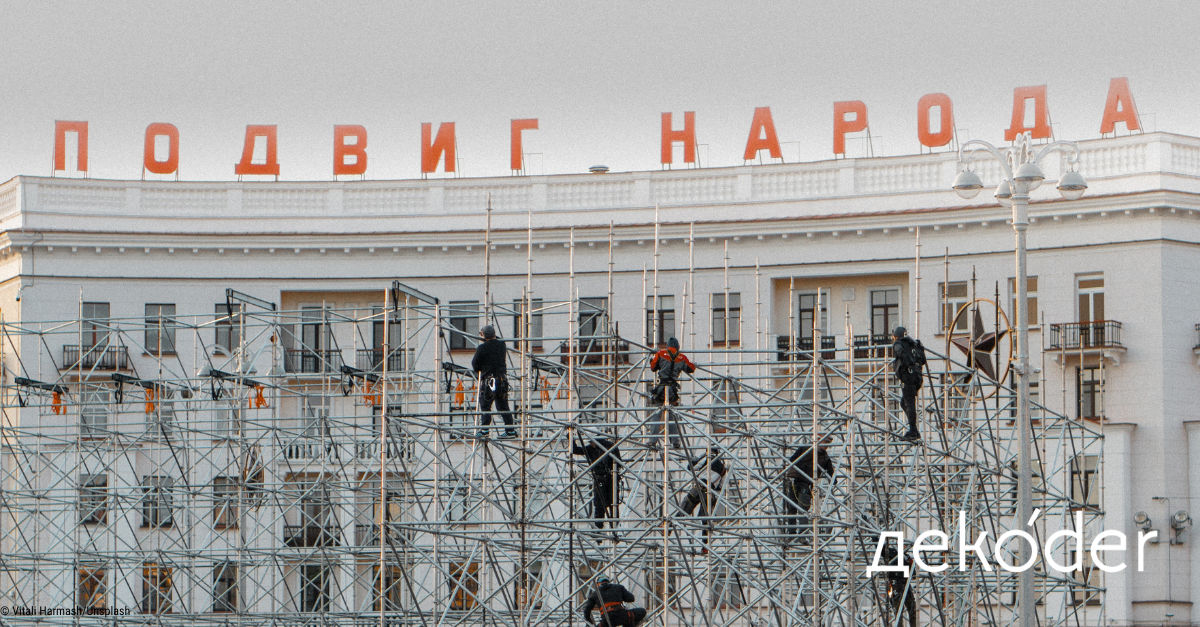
(1188, 551)
(1117, 482)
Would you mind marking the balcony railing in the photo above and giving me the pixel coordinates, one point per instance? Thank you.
(371, 360)
(1085, 335)
(368, 535)
(875, 346)
(311, 448)
(396, 449)
(804, 348)
(303, 360)
(312, 535)
(96, 357)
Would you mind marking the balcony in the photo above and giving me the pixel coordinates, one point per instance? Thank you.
(371, 360)
(1098, 338)
(96, 358)
(876, 346)
(804, 346)
(303, 360)
(396, 449)
(311, 448)
(310, 536)
(368, 535)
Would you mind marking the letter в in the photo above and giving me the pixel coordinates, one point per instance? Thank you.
(341, 149)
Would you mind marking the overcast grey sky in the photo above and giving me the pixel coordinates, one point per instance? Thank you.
(597, 75)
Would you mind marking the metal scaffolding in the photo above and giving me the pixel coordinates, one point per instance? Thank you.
(249, 467)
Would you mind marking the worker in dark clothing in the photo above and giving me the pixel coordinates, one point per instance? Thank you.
(610, 599)
(491, 366)
(909, 359)
(602, 455)
(798, 480)
(901, 589)
(668, 364)
(709, 472)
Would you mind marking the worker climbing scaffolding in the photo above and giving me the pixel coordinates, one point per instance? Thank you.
(798, 480)
(490, 365)
(603, 458)
(668, 365)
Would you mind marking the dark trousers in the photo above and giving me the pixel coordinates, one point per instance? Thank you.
(622, 618)
(656, 427)
(908, 402)
(500, 396)
(669, 390)
(799, 499)
(603, 503)
(902, 598)
(707, 502)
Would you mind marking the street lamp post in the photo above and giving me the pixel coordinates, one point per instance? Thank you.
(1021, 175)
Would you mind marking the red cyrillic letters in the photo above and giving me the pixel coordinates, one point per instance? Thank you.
(171, 164)
(762, 135)
(61, 128)
(517, 158)
(271, 165)
(1119, 108)
(1041, 117)
(687, 136)
(841, 125)
(341, 149)
(945, 126)
(432, 151)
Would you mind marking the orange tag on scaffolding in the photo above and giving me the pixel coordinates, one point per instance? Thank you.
(259, 401)
(56, 404)
(459, 396)
(149, 400)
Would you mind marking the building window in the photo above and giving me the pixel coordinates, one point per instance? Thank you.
(593, 316)
(91, 593)
(315, 416)
(535, 322)
(392, 587)
(156, 501)
(726, 318)
(464, 324)
(225, 588)
(93, 499)
(93, 416)
(464, 585)
(660, 320)
(463, 505)
(1087, 581)
(954, 296)
(229, 419)
(225, 502)
(228, 326)
(95, 325)
(529, 588)
(1089, 397)
(885, 311)
(314, 587)
(316, 507)
(160, 329)
(314, 328)
(807, 315)
(1031, 300)
(1085, 484)
(379, 330)
(156, 589)
(1090, 292)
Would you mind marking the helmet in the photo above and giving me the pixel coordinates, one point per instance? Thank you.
(603, 579)
(899, 332)
(488, 332)
(673, 343)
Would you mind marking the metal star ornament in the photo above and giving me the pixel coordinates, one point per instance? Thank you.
(979, 346)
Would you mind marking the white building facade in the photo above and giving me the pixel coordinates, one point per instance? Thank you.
(744, 256)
